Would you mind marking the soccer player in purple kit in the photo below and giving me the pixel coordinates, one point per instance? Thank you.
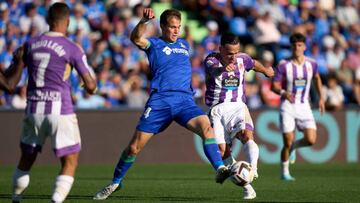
(225, 95)
(171, 97)
(293, 81)
(50, 58)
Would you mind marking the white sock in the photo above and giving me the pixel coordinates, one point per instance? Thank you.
(251, 150)
(21, 180)
(285, 168)
(248, 187)
(229, 161)
(62, 188)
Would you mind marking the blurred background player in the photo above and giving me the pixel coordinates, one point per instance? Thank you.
(225, 95)
(171, 96)
(292, 81)
(50, 58)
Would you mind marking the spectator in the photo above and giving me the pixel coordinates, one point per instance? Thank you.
(333, 94)
(78, 21)
(346, 14)
(267, 34)
(135, 97)
(95, 13)
(32, 18)
(212, 40)
(6, 56)
(100, 59)
(89, 101)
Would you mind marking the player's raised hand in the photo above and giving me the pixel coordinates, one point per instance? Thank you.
(148, 14)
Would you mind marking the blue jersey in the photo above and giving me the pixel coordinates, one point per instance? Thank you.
(170, 65)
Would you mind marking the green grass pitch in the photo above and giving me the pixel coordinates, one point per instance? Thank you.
(195, 183)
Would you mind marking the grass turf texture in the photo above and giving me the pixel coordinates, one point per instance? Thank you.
(195, 183)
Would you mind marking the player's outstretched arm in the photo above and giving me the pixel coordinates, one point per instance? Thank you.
(12, 75)
(137, 35)
(318, 87)
(267, 71)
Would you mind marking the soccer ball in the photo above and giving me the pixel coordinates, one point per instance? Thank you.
(241, 173)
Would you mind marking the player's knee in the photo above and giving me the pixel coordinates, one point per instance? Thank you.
(134, 150)
(287, 144)
(70, 163)
(311, 141)
(207, 132)
(244, 136)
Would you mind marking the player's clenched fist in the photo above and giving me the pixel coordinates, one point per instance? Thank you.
(148, 14)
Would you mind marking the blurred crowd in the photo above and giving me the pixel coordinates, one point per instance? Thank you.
(102, 28)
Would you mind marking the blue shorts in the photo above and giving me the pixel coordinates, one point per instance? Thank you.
(162, 108)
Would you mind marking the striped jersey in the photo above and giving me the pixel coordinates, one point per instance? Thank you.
(296, 78)
(226, 86)
(50, 58)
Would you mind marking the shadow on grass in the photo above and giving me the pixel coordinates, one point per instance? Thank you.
(115, 198)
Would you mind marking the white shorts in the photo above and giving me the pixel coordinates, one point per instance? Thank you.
(228, 119)
(296, 115)
(63, 130)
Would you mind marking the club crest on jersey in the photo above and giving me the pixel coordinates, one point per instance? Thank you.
(240, 63)
(231, 82)
(209, 62)
(167, 50)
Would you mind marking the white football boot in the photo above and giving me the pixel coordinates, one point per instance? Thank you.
(249, 192)
(106, 191)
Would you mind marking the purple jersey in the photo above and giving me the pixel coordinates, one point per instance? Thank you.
(226, 86)
(50, 58)
(296, 78)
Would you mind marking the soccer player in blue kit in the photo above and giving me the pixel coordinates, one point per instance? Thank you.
(171, 97)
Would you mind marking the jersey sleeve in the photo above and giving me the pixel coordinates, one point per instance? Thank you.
(315, 67)
(279, 72)
(248, 62)
(79, 61)
(151, 45)
(211, 64)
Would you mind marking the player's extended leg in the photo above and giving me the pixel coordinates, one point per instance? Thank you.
(288, 139)
(65, 179)
(126, 160)
(201, 126)
(21, 176)
(250, 148)
(225, 151)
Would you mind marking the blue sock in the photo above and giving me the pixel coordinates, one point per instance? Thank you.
(212, 152)
(122, 167)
